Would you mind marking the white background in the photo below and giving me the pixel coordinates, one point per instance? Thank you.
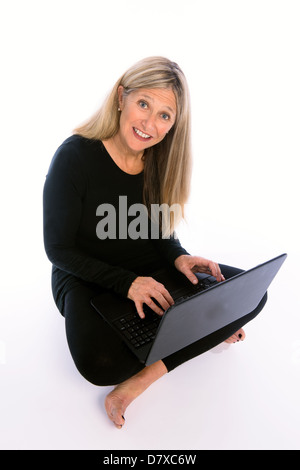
(241, 58)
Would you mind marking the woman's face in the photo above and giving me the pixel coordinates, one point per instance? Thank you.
(146, 117)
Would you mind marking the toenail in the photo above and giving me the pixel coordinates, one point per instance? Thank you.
(240, 335)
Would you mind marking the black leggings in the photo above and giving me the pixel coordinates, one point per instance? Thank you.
(103, 358)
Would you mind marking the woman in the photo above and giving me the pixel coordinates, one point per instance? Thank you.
(136, 147)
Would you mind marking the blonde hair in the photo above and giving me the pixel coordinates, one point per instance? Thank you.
(167, 165)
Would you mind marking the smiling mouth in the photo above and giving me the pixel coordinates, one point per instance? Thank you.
(141, 134)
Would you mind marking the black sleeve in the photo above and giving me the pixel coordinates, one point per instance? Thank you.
(62, 204)
(169, 248)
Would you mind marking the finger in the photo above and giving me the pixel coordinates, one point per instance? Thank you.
(139, 309)
(166, 294)
(215, 270)
(212, 268)
(220, 276)
(163, 302)
(163, 291)
(190, 275)
(154, 307)
(169, 298)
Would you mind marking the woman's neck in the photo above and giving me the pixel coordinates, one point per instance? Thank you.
(129, 161)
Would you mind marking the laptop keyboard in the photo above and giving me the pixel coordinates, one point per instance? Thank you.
(186, 292)
(137, 330)
(140, 331)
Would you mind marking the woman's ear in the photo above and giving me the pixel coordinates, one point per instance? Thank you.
(120, 97)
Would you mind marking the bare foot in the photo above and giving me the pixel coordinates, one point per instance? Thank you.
(123, 394)
(238, 336)
(118, 400)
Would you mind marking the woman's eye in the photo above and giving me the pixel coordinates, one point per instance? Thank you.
(143, 104)
(165, 116)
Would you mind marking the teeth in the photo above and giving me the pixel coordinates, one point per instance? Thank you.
(145, 136)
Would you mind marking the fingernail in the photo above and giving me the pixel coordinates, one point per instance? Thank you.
(123, 417)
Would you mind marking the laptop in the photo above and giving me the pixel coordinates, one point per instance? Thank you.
(197, 311)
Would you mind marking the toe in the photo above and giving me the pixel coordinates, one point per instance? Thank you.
(117, 417)
(119, 421)
(241, 334)
(238, 336)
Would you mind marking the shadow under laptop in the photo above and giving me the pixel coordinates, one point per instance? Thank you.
(220, 348)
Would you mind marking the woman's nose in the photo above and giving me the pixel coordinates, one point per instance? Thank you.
(149, 124)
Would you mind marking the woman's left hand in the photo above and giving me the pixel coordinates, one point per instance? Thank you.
(189, 265)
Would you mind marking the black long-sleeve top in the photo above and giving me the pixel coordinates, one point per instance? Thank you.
(81, 177)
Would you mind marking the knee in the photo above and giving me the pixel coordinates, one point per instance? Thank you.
(104, 370)
(99, 371)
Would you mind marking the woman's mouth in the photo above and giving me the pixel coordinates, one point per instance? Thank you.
(141, 135)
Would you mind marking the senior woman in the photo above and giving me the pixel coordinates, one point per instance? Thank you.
(136, 146)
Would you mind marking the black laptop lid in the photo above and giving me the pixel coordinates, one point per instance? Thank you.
(213, 309)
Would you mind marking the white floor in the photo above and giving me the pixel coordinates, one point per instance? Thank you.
(243, 396)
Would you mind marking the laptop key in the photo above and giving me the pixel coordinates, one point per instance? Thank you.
(127, 335)
(139, 331)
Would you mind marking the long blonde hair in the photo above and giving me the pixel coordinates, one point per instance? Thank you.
(167, 165)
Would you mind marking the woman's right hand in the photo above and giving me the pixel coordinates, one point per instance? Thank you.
(144, 289)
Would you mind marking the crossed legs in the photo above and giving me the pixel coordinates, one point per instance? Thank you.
(103, 359)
